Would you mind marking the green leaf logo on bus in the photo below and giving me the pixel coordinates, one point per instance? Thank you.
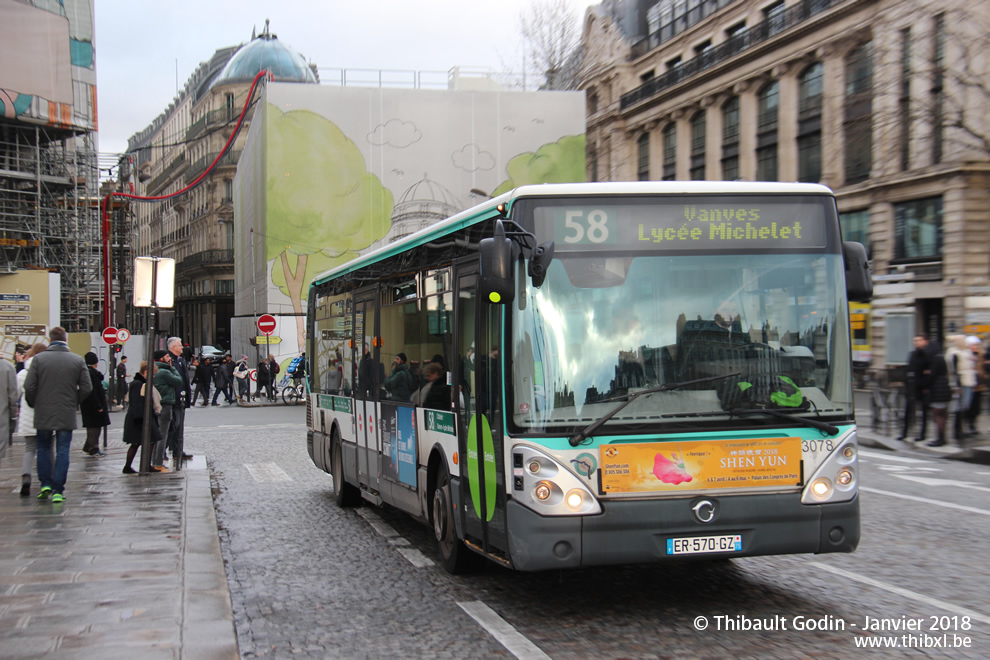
(474, 465)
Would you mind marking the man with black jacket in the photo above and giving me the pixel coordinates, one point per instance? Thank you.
(183, 399)
(916, 387)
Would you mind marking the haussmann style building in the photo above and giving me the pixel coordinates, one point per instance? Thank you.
(884, 101)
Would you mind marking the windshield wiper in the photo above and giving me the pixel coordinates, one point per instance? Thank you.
(813, 423)
(582, 435)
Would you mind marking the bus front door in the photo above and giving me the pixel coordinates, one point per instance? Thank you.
(369, 377)
(480, 432)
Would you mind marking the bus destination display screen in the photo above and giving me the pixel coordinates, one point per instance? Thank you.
(724, 223)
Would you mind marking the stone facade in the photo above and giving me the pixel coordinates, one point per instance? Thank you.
(881, 100)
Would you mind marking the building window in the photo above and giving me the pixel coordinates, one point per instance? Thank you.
(698, 137)
(904, 102)
(859, 114)
(810, 124)
(918, 229)
(643, 151)
(766, 137)
(593, 167)
(938, 92)
(730, 139)
(704, 53)
(646, 76)
(228, 191)
(592, 103)
(856, 227)
(774, 16)
(670, 152)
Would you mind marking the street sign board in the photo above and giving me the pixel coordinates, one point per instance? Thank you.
(123, 335)
(267, 340)
(110, 335)
(266, 324)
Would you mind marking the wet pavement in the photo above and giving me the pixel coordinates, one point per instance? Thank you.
(128, 566)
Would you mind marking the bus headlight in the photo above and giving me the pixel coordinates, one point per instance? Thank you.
(845, 477)
(542, 483)
(821, 488)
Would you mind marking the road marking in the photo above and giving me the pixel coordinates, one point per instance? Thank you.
(914, 498)
(514, 641)
(267, 472)
(928, 481)
(890, 457)
(386, 531)
(921, 598)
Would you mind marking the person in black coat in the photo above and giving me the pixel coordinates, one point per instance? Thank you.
(203, 379)
(134, 418)
(916, 387)
(95, 409)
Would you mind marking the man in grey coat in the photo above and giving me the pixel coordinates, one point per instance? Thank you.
(56, 383)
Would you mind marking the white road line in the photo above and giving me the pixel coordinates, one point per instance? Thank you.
(415, 557)
(890, 457)
(386, 531)
(514, 642)
(377, 524)
(906, 593)
(267, 472)
(915, 498)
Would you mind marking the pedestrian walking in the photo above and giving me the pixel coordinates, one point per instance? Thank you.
(94, 408)
(56, 383)
(273, 370)
(242, 376)
(939, 392)
(8, 405)
(134, 420)
(202, 379)
(916, 388)
(175, 441)
(120, 376)
(25, 422)
(959, 360)
(166, 380)
(222, 376)
(264, 381)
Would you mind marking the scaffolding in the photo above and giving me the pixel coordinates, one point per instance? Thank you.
(50, 214)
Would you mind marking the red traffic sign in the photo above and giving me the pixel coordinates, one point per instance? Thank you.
(110, 335)
(266, 324)
(123, 335)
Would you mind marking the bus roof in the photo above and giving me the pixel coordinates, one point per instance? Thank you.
(487, 209)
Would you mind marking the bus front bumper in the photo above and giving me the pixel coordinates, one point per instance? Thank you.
(629, 532)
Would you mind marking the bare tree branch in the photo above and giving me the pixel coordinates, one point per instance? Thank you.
(552, 42)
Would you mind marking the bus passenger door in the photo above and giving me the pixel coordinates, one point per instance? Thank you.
(480, 430)
(367, 383)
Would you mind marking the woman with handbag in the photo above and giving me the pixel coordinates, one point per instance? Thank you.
(134, 419)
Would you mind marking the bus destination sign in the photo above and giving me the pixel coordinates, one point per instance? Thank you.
(725, 224)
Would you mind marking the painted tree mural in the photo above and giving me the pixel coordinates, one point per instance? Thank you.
(557, 162)
(323, 206)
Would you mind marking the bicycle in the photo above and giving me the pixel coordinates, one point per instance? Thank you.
(292, 393)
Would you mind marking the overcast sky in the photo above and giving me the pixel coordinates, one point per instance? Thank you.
(139, 45)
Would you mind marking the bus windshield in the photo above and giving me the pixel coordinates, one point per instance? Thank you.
(758, 330)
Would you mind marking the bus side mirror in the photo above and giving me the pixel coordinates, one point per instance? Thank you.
(859, 282)
(497, 284)
(539, 261)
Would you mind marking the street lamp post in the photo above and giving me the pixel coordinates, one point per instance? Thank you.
(154, 287)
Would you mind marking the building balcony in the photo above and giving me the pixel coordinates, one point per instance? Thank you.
(738, 43)
(175, 166)
(207, 258)
(211, 119)
(229, 160)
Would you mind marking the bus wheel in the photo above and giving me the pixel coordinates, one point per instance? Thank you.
(345, 494)
(456, 558)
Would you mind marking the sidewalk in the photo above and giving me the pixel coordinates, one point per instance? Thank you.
(128, 566)
(975, 449)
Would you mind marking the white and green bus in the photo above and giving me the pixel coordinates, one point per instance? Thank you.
(587, 374)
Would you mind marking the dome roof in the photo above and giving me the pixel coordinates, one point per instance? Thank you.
(265, 51)
(428, 191)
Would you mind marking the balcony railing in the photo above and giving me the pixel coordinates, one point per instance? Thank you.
(177, 163)
(210, 119)
(208, 258)
(197, 168)
(736, 44)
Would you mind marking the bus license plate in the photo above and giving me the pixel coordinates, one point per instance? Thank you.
(696, 545)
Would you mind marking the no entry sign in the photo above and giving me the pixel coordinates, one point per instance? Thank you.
(110, 335)
(266, 324)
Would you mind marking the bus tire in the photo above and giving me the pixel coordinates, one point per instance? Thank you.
(344, 493)
(454, 555)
